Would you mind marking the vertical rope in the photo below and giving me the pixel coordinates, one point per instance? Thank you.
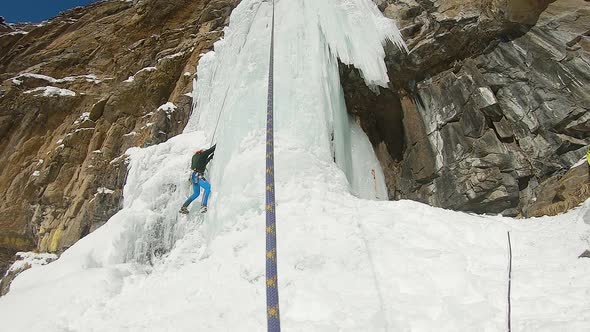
(219, 116)
(272, 292)
(509, 282)
(231, 84)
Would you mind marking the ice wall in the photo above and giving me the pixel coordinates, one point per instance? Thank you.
(310, 111)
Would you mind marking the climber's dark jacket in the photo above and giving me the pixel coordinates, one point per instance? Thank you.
(201, 159)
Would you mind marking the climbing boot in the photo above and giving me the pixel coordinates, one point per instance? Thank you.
(183, 210)
(203, 209)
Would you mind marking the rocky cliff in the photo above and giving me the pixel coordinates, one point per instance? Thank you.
(79, 90)
(489, 110)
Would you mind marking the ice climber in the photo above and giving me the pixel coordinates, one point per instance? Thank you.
(200, 160)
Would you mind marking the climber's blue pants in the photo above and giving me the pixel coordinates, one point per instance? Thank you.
(198, 182)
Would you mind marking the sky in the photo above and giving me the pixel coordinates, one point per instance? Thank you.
(36, 10)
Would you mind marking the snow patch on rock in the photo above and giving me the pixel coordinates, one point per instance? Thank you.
(146, 69)
(51, 91)
(32, 259)
(579, 162)
(169, 107)
(103, 190)
(172, 56)
(88, 77)
(84, 117)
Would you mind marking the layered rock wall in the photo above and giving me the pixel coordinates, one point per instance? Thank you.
(492, 103)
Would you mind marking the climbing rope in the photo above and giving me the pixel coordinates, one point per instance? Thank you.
(272, 292)
(231, 84)
(509, 283)
(219, 116)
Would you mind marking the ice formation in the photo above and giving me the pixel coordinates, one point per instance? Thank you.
(348, 261)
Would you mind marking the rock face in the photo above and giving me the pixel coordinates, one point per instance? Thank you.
(75, 94)
(488, 105)
(561, 193)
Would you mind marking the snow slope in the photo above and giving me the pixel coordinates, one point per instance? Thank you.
(345, 263)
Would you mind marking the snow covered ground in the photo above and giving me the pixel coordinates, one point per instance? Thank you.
(348, 260)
